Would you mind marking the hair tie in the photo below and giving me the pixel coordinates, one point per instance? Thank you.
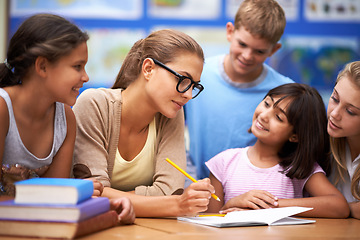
(8, 65)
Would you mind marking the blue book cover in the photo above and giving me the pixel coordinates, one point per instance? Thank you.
(9, 210)
(53, 190)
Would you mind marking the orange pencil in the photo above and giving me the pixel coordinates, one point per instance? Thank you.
(212, 215)
(190, 177)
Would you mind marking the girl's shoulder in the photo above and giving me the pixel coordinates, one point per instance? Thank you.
(229, 156)
(317, 168)
(233, 152)
(4, 95)
(222, 164)
(4, 114)
(5, 106)
(68, 112)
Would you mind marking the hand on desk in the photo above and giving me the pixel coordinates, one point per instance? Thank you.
(254, 199)
(124, 208)
(98, 187)
(196, 197)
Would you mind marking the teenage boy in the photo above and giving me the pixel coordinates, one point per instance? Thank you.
(235, 83)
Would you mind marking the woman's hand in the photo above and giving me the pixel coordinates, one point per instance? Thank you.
(254, 199)
(196, 198)
(124, 208)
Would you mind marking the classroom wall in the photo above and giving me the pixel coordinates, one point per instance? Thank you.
(3, 28)
(320, 36)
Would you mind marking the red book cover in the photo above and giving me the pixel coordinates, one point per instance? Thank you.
(63, 230)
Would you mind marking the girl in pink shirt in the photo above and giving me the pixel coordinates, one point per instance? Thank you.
(287, 166)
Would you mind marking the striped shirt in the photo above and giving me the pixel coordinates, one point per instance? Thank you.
(238, 175)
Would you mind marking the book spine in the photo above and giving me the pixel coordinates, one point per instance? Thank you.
(34, 190)
(98, 223)
(93, 207)
(85, 190)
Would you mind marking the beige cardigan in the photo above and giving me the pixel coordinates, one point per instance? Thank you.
(98, 117)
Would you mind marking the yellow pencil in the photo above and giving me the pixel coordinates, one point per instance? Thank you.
(212, 215)
(190, 177)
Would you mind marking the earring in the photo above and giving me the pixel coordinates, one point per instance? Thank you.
(293, 138)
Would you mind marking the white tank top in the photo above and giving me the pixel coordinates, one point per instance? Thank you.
(15, 151)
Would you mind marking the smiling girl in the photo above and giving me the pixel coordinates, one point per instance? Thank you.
(344, 130)
(40, 80)
(287, 166)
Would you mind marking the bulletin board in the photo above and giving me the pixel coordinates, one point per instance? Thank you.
(320, 37)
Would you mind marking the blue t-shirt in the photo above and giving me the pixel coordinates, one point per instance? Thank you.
(220, 117)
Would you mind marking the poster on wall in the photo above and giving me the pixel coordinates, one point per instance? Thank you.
(314, 48)
(107, 49)
(212, 39)
(332, 10)
(185, 9)
(290, 7)
(104, 9)
(315, 60)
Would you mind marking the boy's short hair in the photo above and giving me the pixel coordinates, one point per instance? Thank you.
(262, 18)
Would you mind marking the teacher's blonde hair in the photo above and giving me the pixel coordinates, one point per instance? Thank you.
(338, 145)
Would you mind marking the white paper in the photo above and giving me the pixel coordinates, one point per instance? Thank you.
(271, 216)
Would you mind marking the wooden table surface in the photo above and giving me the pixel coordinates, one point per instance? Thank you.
(170, 228)
(322, 229)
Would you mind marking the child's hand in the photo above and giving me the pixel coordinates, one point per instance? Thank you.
(124, 208)
(254, 199)
(98, 187)
(196, 198)
(233, 209)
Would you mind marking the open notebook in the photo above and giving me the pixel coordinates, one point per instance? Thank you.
(271, 216)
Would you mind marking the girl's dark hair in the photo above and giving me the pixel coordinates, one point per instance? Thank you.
(45, 35)
(163, 45)
(306, 113)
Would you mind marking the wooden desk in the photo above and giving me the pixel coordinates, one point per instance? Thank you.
(165, 229)
(126, 232)
(322, 229)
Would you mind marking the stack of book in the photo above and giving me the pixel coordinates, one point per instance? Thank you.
(55, 208)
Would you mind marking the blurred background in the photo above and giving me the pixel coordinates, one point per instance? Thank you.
(320, 37)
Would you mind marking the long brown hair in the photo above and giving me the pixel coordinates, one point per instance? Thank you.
(45, 35)
(338, 145)
(306, 113)
(163, 45)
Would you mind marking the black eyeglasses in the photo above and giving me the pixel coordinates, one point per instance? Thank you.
(184, 83)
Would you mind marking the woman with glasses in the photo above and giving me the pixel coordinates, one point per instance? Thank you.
(124, 134)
